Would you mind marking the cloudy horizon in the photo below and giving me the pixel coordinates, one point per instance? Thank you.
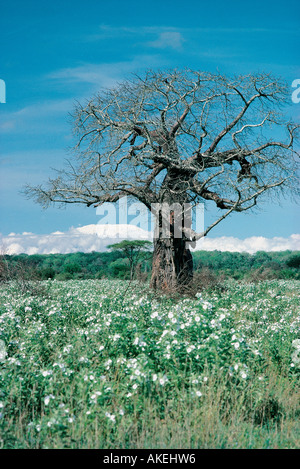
(97, 237)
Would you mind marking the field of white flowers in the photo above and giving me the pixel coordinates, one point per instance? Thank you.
(105, 364)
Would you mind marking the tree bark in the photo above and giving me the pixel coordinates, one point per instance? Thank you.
(172, 266)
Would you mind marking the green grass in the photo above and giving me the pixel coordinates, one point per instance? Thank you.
(95, 364)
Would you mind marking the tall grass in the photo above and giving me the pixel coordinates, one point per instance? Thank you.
(95, 364)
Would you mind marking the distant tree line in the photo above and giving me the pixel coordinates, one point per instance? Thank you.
(118, 265)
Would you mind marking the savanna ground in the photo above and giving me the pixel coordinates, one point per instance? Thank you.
(107, 364)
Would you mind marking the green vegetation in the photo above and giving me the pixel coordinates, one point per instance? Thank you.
(136, 252)
(117, 265)
(107, 364)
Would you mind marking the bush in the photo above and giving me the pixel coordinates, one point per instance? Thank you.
(259, 275)
(47, 272)
(120, 269)
(206, 279)
(4, 269)
(294, 261)
(72, 268)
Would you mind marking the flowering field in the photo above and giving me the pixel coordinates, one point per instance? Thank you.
(105, 364)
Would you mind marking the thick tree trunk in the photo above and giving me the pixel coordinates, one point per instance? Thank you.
(172, 266)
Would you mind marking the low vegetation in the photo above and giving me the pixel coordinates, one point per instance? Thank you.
(108, 364)
(116, 265)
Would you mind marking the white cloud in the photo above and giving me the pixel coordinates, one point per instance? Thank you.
(251, 245)
(166, 39)
(104, 75)
(97, 237)
(84, 239)
(100, 74)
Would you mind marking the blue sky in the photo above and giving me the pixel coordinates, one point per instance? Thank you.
(53, 53)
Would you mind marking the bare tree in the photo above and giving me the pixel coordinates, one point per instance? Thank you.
(179, 137)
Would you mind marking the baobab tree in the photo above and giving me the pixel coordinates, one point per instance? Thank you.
(179, 137)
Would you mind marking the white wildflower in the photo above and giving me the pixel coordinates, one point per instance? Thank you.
(47, 399)
(163, 380)
(47, 372)
(110, 416)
